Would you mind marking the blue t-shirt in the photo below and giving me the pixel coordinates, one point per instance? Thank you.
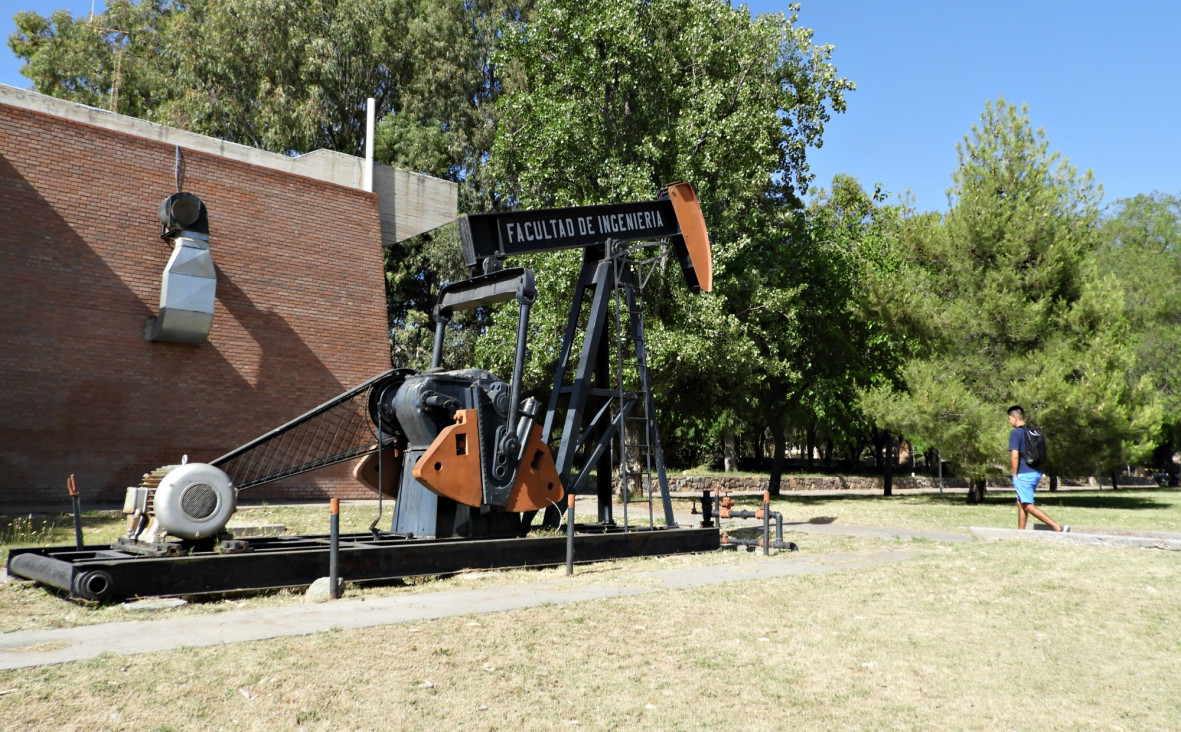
(1017, 442)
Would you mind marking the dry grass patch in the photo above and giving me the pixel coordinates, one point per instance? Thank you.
(972, 636)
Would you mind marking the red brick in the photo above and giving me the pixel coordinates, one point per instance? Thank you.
(80, 269)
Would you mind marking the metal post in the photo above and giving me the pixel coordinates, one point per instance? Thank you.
(569, 534)
(766, 523)
(334, 548)
(72, 487)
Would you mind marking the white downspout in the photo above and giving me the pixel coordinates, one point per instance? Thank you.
(367, 176)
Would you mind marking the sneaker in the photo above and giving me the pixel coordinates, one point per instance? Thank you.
(1065, 529)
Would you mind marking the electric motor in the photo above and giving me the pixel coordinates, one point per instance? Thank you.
(195, 501)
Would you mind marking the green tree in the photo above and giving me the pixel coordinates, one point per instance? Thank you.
(607, 101)
(114, 60)
(1142, 248)
(285, 77)
(802, 311)
(1002, 303)
(294, 77)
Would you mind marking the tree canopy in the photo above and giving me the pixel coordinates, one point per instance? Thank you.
(835, 321)
(611, 101)
(1003, 304)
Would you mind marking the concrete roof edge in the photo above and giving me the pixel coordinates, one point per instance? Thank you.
(327, 166)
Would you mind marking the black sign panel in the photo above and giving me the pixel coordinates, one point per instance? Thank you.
(520, 232)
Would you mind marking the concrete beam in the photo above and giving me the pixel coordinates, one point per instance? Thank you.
(412, 203)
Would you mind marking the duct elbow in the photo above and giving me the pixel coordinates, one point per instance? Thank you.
(189, 288)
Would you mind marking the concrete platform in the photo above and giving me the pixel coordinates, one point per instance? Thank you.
(1143, 539)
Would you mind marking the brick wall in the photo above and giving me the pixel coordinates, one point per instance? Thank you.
(299, 317)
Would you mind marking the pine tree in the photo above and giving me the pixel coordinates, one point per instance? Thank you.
(1006, 300)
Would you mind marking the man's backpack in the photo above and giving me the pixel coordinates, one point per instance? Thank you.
(1034, 453)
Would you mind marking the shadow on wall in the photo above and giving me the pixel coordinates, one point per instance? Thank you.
(83, 392)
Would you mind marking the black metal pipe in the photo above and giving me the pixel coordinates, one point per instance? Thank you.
(437, 351)
(767, 525)
(380, 479)
(766, 514)
(514, 404)
(77, 523)
(334, 548)
(755, 514)
(72, 488)
(46, 570)
(752, 544)
(93, 585)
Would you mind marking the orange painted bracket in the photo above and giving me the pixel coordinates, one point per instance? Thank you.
(451, 465)
(537, 484)
(391, 463)
(693, 231)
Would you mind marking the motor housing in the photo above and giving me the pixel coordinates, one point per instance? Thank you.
(195, 501)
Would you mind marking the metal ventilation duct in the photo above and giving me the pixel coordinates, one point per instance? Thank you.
(189, 287)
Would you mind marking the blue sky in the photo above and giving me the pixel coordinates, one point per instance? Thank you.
(1100, 78)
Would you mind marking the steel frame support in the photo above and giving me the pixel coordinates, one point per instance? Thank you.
(602, 272)
(106, 574)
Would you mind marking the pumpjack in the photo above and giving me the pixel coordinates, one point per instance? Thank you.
(466, 459)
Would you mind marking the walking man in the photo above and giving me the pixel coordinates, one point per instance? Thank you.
(1025, 477)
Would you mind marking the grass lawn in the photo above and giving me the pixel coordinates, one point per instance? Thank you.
(1005, 635)
(1155, 510)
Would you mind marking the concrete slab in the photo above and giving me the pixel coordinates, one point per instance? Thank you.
(43, 647)
(155, 604)
(1079, 537)
(881, 532)
(1107, 531)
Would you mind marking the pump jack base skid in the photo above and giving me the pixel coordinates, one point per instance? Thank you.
(108, 573)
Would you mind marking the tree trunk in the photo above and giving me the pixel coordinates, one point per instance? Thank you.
(779, 439)
(635, 433)
(1053, 482)
(878, 444)
(828, 454)
(1114, 482)
(853, 455)
(810, 446)
(888, 473)
(729, 458)
(760, 442)
(976, 489)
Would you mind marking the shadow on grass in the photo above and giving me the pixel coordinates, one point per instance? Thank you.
(1104, 499)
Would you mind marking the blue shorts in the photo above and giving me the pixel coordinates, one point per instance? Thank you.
(1025, 484)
